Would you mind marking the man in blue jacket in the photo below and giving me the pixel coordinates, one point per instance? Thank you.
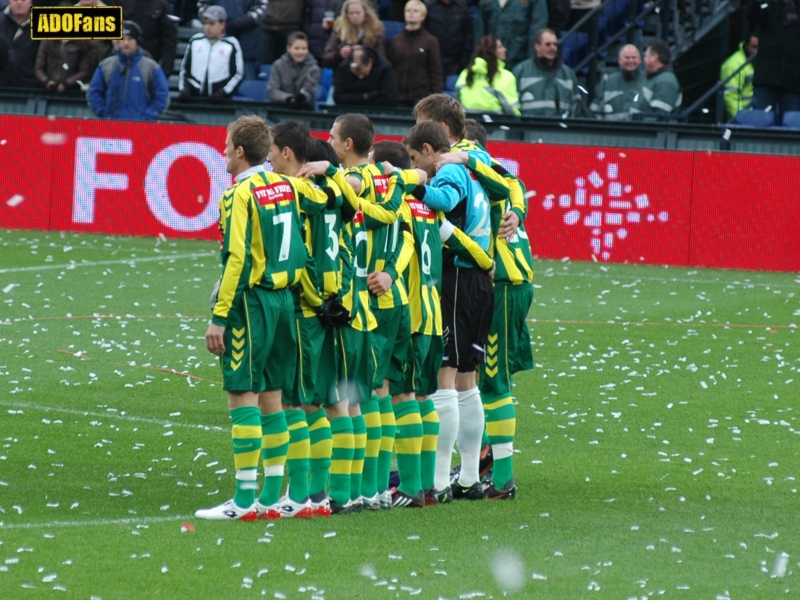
(129, 86)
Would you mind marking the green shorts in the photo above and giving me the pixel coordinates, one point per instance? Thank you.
(355, 375)
(317, 373)
(260, 343)
(508, 349)
(425, 360)
(390, 343)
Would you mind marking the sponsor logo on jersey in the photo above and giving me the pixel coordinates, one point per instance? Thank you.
(381, 184)
(359, 217)
(419, 210)
(280, 191)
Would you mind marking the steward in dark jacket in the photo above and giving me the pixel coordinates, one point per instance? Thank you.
(417, 65)
(371, 81)
(450, 23)
(159, 31)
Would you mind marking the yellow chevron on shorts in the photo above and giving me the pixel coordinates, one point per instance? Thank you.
(491, 372)
(491, 349)
(237, 356)
(238, 333)
(238, 343)
(235, 365)
(491, 360)
(493, 338)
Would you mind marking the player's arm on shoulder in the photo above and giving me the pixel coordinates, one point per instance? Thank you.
(463, 246)
(444, 191)
(491, 177)
(312, 199)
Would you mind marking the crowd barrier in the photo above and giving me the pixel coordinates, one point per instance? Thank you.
(704, 209)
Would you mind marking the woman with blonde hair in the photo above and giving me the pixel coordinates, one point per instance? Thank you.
(358, 25)
(486, 85)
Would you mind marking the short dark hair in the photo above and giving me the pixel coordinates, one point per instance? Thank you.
(295, 135)
(442, 108)
(661, 49)
(368, 53)
(359, 129)
(537, 37)
(296, 35)
(254, 135)
(393, 152)
(427, 132)
(322, 150)
(476, 131)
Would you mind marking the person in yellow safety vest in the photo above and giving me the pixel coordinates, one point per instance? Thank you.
(739, 90)
(486, 85)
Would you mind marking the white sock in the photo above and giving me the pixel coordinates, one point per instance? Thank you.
(470, 435)
(446, 403)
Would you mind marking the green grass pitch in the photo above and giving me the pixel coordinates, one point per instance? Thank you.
(656, 454)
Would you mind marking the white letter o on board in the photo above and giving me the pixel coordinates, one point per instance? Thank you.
(156, 189)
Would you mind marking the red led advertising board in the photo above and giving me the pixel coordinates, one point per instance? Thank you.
(587, 203)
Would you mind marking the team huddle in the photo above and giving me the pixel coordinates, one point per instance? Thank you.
(367, 312)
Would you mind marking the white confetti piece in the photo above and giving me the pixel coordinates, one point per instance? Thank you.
(7, 289)
(539, 577)
(263, 571)
(164, 569)
(329, 534)
(508, 571)
(49, 578)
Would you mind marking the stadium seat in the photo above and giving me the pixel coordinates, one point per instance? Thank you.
(392, 29)
(755, 118)
(450, 83)
(791, 119)
(252, 89)
(325, 83)
(575, 48)
(264, 72)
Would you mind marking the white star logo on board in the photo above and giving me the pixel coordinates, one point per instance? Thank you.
(607, 207)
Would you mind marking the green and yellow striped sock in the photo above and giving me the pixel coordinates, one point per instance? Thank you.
(501, 424)
(319, 434)
(274, 446)
(359, 449)
(430, 435)
(341, 459)
(409, 446)
(372, 420)
(388, 431)
(297, 458)
(246, 439)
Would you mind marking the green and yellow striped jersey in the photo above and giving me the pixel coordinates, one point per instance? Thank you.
(385, 240)
(261, 243)
(355, 251)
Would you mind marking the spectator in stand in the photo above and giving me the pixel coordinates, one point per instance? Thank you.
(547, 87)
(776, 81)
(513, 21)
(739, 90)
(15, 27)
(558, 15)
(295, 75)
(283, 17)
(212, 66)
(661, 93)
(101, 48)
(129, 86)
(61, 64)
(244, 18)
(4, 64)
(358, 25)
(318, 24)
(368, 79)
(450, 22)
(414, 54)
(159, 30)
(486, 85)
(616, 93)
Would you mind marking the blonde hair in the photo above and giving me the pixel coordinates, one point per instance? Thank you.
(348, 33)
(419, 4)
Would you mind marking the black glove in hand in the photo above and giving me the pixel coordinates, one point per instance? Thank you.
(296, 101)
(334, 314)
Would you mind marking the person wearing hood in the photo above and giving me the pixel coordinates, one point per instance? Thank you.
(129, 86)
(547, 87)
(661, 93)
(15, 27)
(295, 75)
(618, 90)
(415, 56)
(486, 85)
(739, 89)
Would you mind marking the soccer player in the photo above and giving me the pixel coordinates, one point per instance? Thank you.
(314, 391)
(417, 420)
(252, 327)
(467, 304)
(509, 348)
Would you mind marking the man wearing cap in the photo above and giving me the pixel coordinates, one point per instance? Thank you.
(213, 64)
(129, 86)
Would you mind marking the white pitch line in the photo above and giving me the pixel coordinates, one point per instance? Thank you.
(100, 263)
(107, 415)
(95, 523)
